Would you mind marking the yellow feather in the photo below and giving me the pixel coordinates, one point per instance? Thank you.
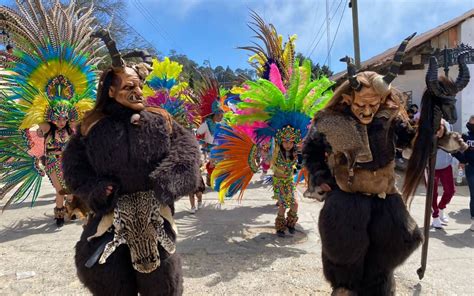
(48, 70)
(36, 114)
(83, 106)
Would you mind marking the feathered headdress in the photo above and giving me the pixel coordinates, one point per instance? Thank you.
(163, 89)
(236, 158)
(53, 77)
(273, 50)
(289, 114)
(165, 76)
(284, 116)
(209, 96)
(54, 72)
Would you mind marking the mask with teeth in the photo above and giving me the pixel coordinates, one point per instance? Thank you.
(364, 104)
(127, 89)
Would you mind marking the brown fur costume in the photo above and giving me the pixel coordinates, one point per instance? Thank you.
(154, 153)
(366, 230)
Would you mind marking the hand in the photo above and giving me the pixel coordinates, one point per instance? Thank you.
(440, 131)
(462, 166)
(325, 187)
(108, 190)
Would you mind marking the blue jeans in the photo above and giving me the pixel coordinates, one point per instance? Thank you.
(470, 182)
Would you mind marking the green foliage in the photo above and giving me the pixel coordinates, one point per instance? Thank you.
(316, 69)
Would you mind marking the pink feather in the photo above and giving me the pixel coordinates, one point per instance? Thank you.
(275, 78)
(249, 129)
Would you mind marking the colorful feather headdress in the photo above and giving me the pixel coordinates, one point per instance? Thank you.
(273, 50)
(210, 96)
(266, 112)
(289, 114)
(54, 71)
(52, 77)
(165, 76)
(236, 158)
(164, 90)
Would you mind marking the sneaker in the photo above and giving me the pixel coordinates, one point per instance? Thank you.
(199, 205)
(291, 230)
(281, 233)
(437, 223)
(443, 217)
(193, 210)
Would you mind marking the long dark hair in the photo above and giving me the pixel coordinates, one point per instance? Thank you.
(423, 142)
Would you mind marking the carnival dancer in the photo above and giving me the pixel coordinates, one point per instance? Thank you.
(212, 114)
(287, 116)
(52, 85)
(129, 163)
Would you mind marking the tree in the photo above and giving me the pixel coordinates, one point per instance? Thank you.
(316, 69)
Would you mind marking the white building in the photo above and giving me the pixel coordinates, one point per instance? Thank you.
(411, 79)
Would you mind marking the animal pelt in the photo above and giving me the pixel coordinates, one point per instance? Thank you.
(345, 134)
(76, 208)
(380, 181)
(117, 276)
(349, 158)
(364, 239)
(131, 158)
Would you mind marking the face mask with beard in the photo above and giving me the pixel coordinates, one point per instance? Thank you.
(470, 127)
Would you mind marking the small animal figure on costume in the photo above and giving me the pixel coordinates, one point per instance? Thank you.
(52, 83)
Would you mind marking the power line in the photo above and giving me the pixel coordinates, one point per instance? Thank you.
(317, 34)
(156, 24)
(146, 18)
(133, 29)
(337, 30)
(335, 12)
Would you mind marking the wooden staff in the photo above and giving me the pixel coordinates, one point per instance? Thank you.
(428, 202)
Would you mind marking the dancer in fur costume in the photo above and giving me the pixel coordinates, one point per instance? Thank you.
(52, 84)
(129, 163)
(366, 230)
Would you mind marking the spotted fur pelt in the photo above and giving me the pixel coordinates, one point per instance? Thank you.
(150, 155)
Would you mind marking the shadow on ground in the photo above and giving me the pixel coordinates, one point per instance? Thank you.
(27, 227)
(221, 243)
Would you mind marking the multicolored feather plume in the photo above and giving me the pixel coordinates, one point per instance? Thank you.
(236, 156)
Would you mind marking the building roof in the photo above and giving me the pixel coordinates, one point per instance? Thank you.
(386, 56)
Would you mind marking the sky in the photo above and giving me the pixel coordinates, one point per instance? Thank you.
(212, 29)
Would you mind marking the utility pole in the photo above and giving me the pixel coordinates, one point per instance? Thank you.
(328, 26)
(355, 29)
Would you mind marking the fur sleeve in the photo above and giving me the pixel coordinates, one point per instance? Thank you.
(81, 178)
(178, 173)
(404, 133)
(315, 148)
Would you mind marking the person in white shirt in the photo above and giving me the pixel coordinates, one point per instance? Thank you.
(207, 131)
